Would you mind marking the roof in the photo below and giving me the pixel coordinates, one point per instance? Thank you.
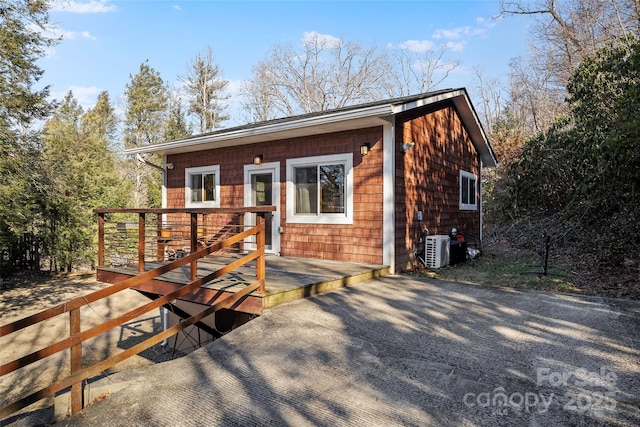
(348, 118)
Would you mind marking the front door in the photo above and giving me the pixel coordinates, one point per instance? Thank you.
(262, 188)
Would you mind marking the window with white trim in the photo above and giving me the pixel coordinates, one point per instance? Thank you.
(468, 191)
(320, 189)
(202, 187)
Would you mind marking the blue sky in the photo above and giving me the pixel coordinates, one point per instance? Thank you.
(105, 41)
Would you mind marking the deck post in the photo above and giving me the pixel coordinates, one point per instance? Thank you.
(141, 242)
(240, 230)
(100, 239)
(159, 245)
(76, 361)
(261, 260)
(193, 268)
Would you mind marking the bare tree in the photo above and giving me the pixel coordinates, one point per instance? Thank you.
(535, 99)
(322, 74)
(421, 70)
(205, 90)
(571, 30)
(565, 34)
(259, 96)
(491, 94)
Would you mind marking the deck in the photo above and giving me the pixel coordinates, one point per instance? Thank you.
(287, 279)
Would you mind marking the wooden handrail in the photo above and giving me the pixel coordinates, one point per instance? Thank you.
(77, 337)
(125, 354)
(249, 209)
(125, 284)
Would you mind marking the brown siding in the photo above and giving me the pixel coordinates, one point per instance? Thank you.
(427, 179)
(359, 242)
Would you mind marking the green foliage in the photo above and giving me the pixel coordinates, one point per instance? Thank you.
(145, 123)
(20, 105)
(20, 48)
(82, 175)
(146, 101)
(177, 126)
(586, 168)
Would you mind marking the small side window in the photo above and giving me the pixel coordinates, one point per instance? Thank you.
(202, 187)
(468, 191)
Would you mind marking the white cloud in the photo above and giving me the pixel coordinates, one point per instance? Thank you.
(457, 38)
(55, 33)
(323, 39)
(483, 22)
(91, 6)
(455, 46)
(86, 96)
(234, 87)
(418, 46)
(481, 28)
(75, 35)
(452, 34)
(176, 7)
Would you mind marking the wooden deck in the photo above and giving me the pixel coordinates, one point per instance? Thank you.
(287, 279)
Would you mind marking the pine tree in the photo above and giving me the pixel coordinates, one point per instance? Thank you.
(177, 126)
(21, 45)
(205, 91)
(82, 175)
(145, 120)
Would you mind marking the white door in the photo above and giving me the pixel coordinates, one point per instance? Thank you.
(262, 188)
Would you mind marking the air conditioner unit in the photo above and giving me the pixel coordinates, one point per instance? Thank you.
(436, 251)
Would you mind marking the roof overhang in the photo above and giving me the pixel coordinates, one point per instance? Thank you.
(350, 118)
(476, 132)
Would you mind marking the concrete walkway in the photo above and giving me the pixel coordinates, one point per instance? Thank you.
(401, 351)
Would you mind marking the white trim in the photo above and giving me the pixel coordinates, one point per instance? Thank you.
(467, 206)
(345, 218)
(274, 168)
(165, 172)
(267, 130)
(388, 195)
(480, 203)
(187, 187)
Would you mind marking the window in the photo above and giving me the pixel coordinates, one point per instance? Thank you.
(319, 189)
(202, 187)
(468, 191)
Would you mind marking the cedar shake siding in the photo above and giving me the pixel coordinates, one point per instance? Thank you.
(384, 191)
(427, 179)
(357, 242)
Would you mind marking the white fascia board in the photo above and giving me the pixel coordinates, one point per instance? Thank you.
(475, 129)
(426, 101)
(256, 132)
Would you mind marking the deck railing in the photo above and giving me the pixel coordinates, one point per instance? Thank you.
(78, 373)
(134, 237)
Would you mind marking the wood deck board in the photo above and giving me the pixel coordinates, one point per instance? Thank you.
(287, 278)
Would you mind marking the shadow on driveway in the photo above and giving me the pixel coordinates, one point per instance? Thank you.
(401, 351)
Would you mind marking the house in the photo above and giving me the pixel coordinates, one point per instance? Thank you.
(355, 184)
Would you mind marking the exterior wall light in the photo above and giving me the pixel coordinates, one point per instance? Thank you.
(257, 160)
(365, 148)
(408, 146)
